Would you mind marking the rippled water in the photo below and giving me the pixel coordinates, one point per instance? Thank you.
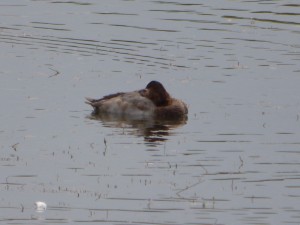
(234, 161)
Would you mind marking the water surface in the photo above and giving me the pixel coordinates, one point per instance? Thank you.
(234, 161)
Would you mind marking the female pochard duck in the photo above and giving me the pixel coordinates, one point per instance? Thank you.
(153, 101)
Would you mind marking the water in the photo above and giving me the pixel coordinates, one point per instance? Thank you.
(234, 161)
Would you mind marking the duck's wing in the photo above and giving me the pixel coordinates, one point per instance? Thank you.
(97, 102)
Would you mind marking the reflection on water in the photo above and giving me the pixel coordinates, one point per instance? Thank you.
(153, 130)
(234, 161)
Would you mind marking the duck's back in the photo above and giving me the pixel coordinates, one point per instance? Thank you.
(130, 103)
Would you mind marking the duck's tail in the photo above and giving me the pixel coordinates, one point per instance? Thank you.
(95, 103)
(91, 101)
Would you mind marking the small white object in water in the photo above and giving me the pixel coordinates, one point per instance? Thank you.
(40, 206)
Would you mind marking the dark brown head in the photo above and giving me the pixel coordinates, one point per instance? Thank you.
(156, 92)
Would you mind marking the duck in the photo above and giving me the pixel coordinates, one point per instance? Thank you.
(153, 101)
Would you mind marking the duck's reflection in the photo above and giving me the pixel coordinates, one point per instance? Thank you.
(153, 130)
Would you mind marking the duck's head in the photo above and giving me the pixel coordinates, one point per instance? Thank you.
(156, 92)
